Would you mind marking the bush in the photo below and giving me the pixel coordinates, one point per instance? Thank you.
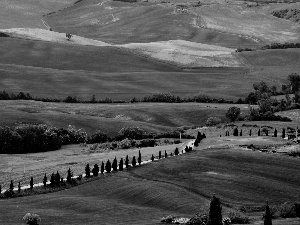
(198, 219)
(32, 219)
(233, 113)
(9, 193)
(237, 217)
(98, 137)
(213, 121)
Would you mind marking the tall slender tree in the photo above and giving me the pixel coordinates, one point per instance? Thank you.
(140, 158)
(159, 154)
(31, 183)
(115, 164)
(283, 133)
(69, 176)
(11, 186)
(57, 178)
(87, 170)
(127, 162)
(95, 170)
(108, 166)
(152, 158)
(45, 180)
(215, 212)
(19, 187)
(267, 216)
(52, 180)
(275, 132)
(133, 161)
(121, 164)
(102, 167)
(258, 133)
(176, 152)
(166, 154)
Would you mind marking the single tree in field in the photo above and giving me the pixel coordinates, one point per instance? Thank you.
(87, 170)
(121, 164)
(52, 180)
(159, 154)
(11, 186)
(176, 151)
(267, 216)
(69, 36)
(31, 183)
(69, 176)
(233, 113)
(127, 162)
(133, 161)
(45, 180)
(108, 166)
(95, 170)
(166, 154)
(235, 132)
(283, 133)
(102, 167)
(215, 212)
(140, 158)
(275, 132)
(115, 164)
(57, 179)
(152, 158)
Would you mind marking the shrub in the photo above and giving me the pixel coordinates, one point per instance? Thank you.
(176, 151)
(198, 219)
(237, 217)
(32, 219)
(213, 121)
(9, 193)
(125, 143)
(98, 137)
(233, 113)
(287, 210)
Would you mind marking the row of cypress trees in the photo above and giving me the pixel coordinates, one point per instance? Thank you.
(237, 133)
(57, 180)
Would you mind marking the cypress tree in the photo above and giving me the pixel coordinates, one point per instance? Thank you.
(87, 170)
(196, 144)
(11, 186)
(215, 212)
(0, 188)
(159, 154)
(115, 164)
(31, 183)
(140, 158)
(176, 151)
(250, 133)
(166, 154)
(133, 161)
(19, 187)
(283, 133)
(45, 180)
(258, 133)
(152, 157)
(268, 217)
(108, 166)
(52, 180)
(57, 179)
(235, 132)
(127, 162)
(171, 154)
(267, 132)
(121, 164)
(95, 170)
(102, 167)
(241, 133)
(69, 176)
(275, 132)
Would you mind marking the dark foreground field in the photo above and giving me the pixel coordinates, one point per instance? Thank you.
(179, 186)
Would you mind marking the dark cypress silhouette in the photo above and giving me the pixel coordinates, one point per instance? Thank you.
(87, 170)
(152, 157)
(267, 132)
(241, 133)
(127, 162)
(275, 132)
(215, 212)
(140, 158)
(95, 170)
(166, 154)
(283, 133)
(171, 154)
(11, 186)
(108, 166)
(19, 187)
(235, 132)
(52, 180)
(121, 164)
(267, 216)
(159, 154)
(69, 176)
(57, 179)
(31, 183)
(250, 133)
(133, 161)
(102, 167)
(258, 133)
(45, 180)
(115, 164)
(196, 144)
(176, 151)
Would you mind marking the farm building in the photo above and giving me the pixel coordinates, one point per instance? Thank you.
(181, 9)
